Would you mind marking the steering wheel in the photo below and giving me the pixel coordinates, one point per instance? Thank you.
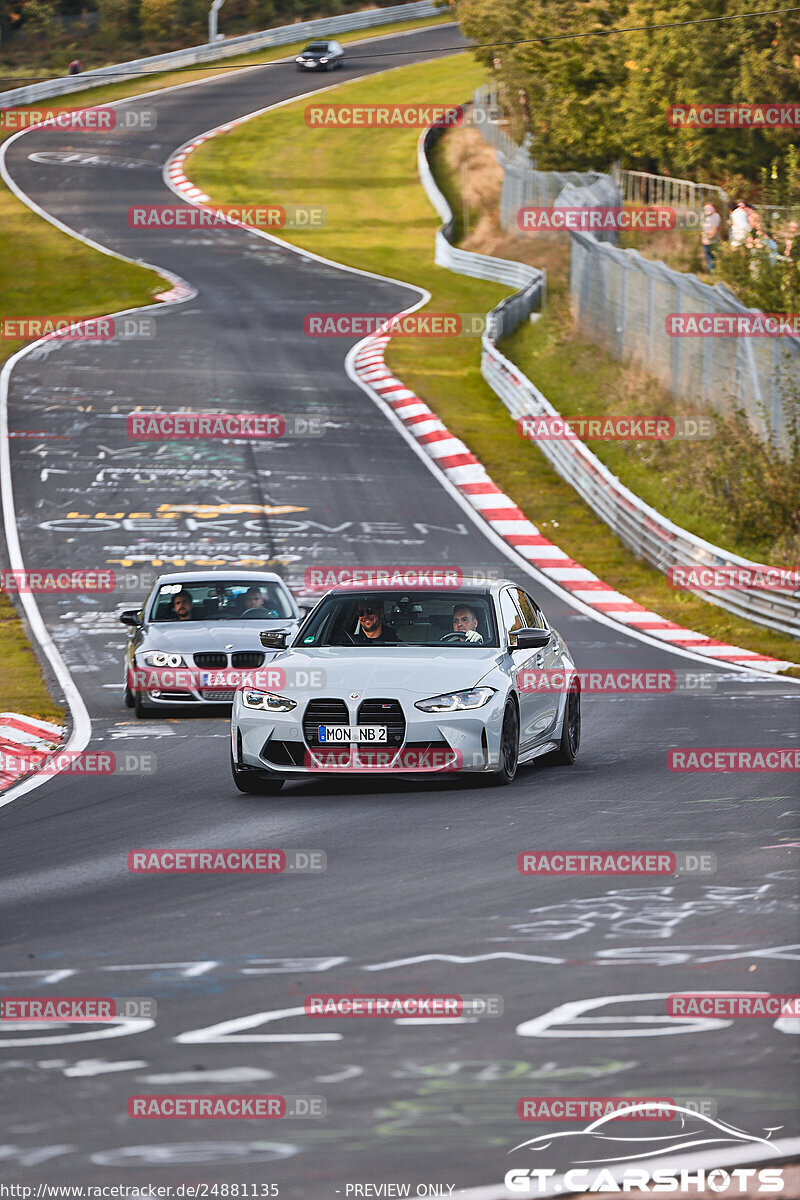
(453, 639)
(265, 614)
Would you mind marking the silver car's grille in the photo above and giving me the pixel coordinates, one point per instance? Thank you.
(209, 660)
(323, 712)
(217, 695)
(384, 712)
(247, 658)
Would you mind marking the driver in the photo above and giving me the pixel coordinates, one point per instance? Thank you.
(465, 622)
(253, 598)
(371, 625)
(182, 605)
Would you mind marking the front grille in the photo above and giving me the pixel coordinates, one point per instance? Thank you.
(247, 658)
(323, 712)
(218, 696)
(384, 712)
(210, 659)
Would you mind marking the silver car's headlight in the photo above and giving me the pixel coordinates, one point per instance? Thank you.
(267, 701)
(162, 658)
(457, 701)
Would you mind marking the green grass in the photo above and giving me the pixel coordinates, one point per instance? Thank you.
(379, 219)
(85, 283)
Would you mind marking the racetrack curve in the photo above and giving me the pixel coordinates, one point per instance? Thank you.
(421, 891)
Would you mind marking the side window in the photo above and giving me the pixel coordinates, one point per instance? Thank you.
(534, 618)
(512, 618)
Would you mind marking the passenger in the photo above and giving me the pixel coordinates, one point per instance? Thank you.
(371, 625)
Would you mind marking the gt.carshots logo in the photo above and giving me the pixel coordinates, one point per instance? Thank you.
(383, 116)
(393, 1005)
(609, 1170)
(716, 758)
(616, 862)
(552, 219)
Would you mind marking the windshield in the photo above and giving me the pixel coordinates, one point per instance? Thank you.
(424, 618)
(220, 600)
(316, 48)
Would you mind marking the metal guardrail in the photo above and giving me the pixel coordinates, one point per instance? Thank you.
(530, 281)
(648, 533)
(282, 35)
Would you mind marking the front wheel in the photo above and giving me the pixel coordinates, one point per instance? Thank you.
(567, 751)
(140, 709)
(509, 747)
(254, 783)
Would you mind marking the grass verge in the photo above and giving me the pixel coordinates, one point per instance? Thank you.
(87, 283)
(379, 219)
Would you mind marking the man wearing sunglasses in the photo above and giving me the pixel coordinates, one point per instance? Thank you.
(371, 625)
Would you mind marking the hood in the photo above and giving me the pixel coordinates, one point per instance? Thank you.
(382, 671)
(191, 636)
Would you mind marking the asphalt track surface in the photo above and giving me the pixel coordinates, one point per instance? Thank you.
(421, 891)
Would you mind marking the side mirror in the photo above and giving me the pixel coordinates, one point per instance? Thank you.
(274, 639)
(529, 639)
(130, 617)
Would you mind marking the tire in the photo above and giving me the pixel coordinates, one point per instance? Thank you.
(509, 747)
(140, 709)
(568, 750)
(129, 698)
(255, 783)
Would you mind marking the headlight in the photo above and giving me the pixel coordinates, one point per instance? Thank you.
(456, 701)
(160, 658)
(267, 701)
(323, 60)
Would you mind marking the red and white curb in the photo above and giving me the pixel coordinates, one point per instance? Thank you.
(25, 742)
(470, 477)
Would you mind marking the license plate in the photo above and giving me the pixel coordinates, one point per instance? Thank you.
(333, 735)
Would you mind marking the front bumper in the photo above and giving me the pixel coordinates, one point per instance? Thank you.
(434, 743)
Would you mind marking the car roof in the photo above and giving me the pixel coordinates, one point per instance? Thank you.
(489, 587)
(200, 576)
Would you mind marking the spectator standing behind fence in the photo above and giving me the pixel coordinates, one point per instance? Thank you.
(709, 234)
(75, 67)
(740, 224)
